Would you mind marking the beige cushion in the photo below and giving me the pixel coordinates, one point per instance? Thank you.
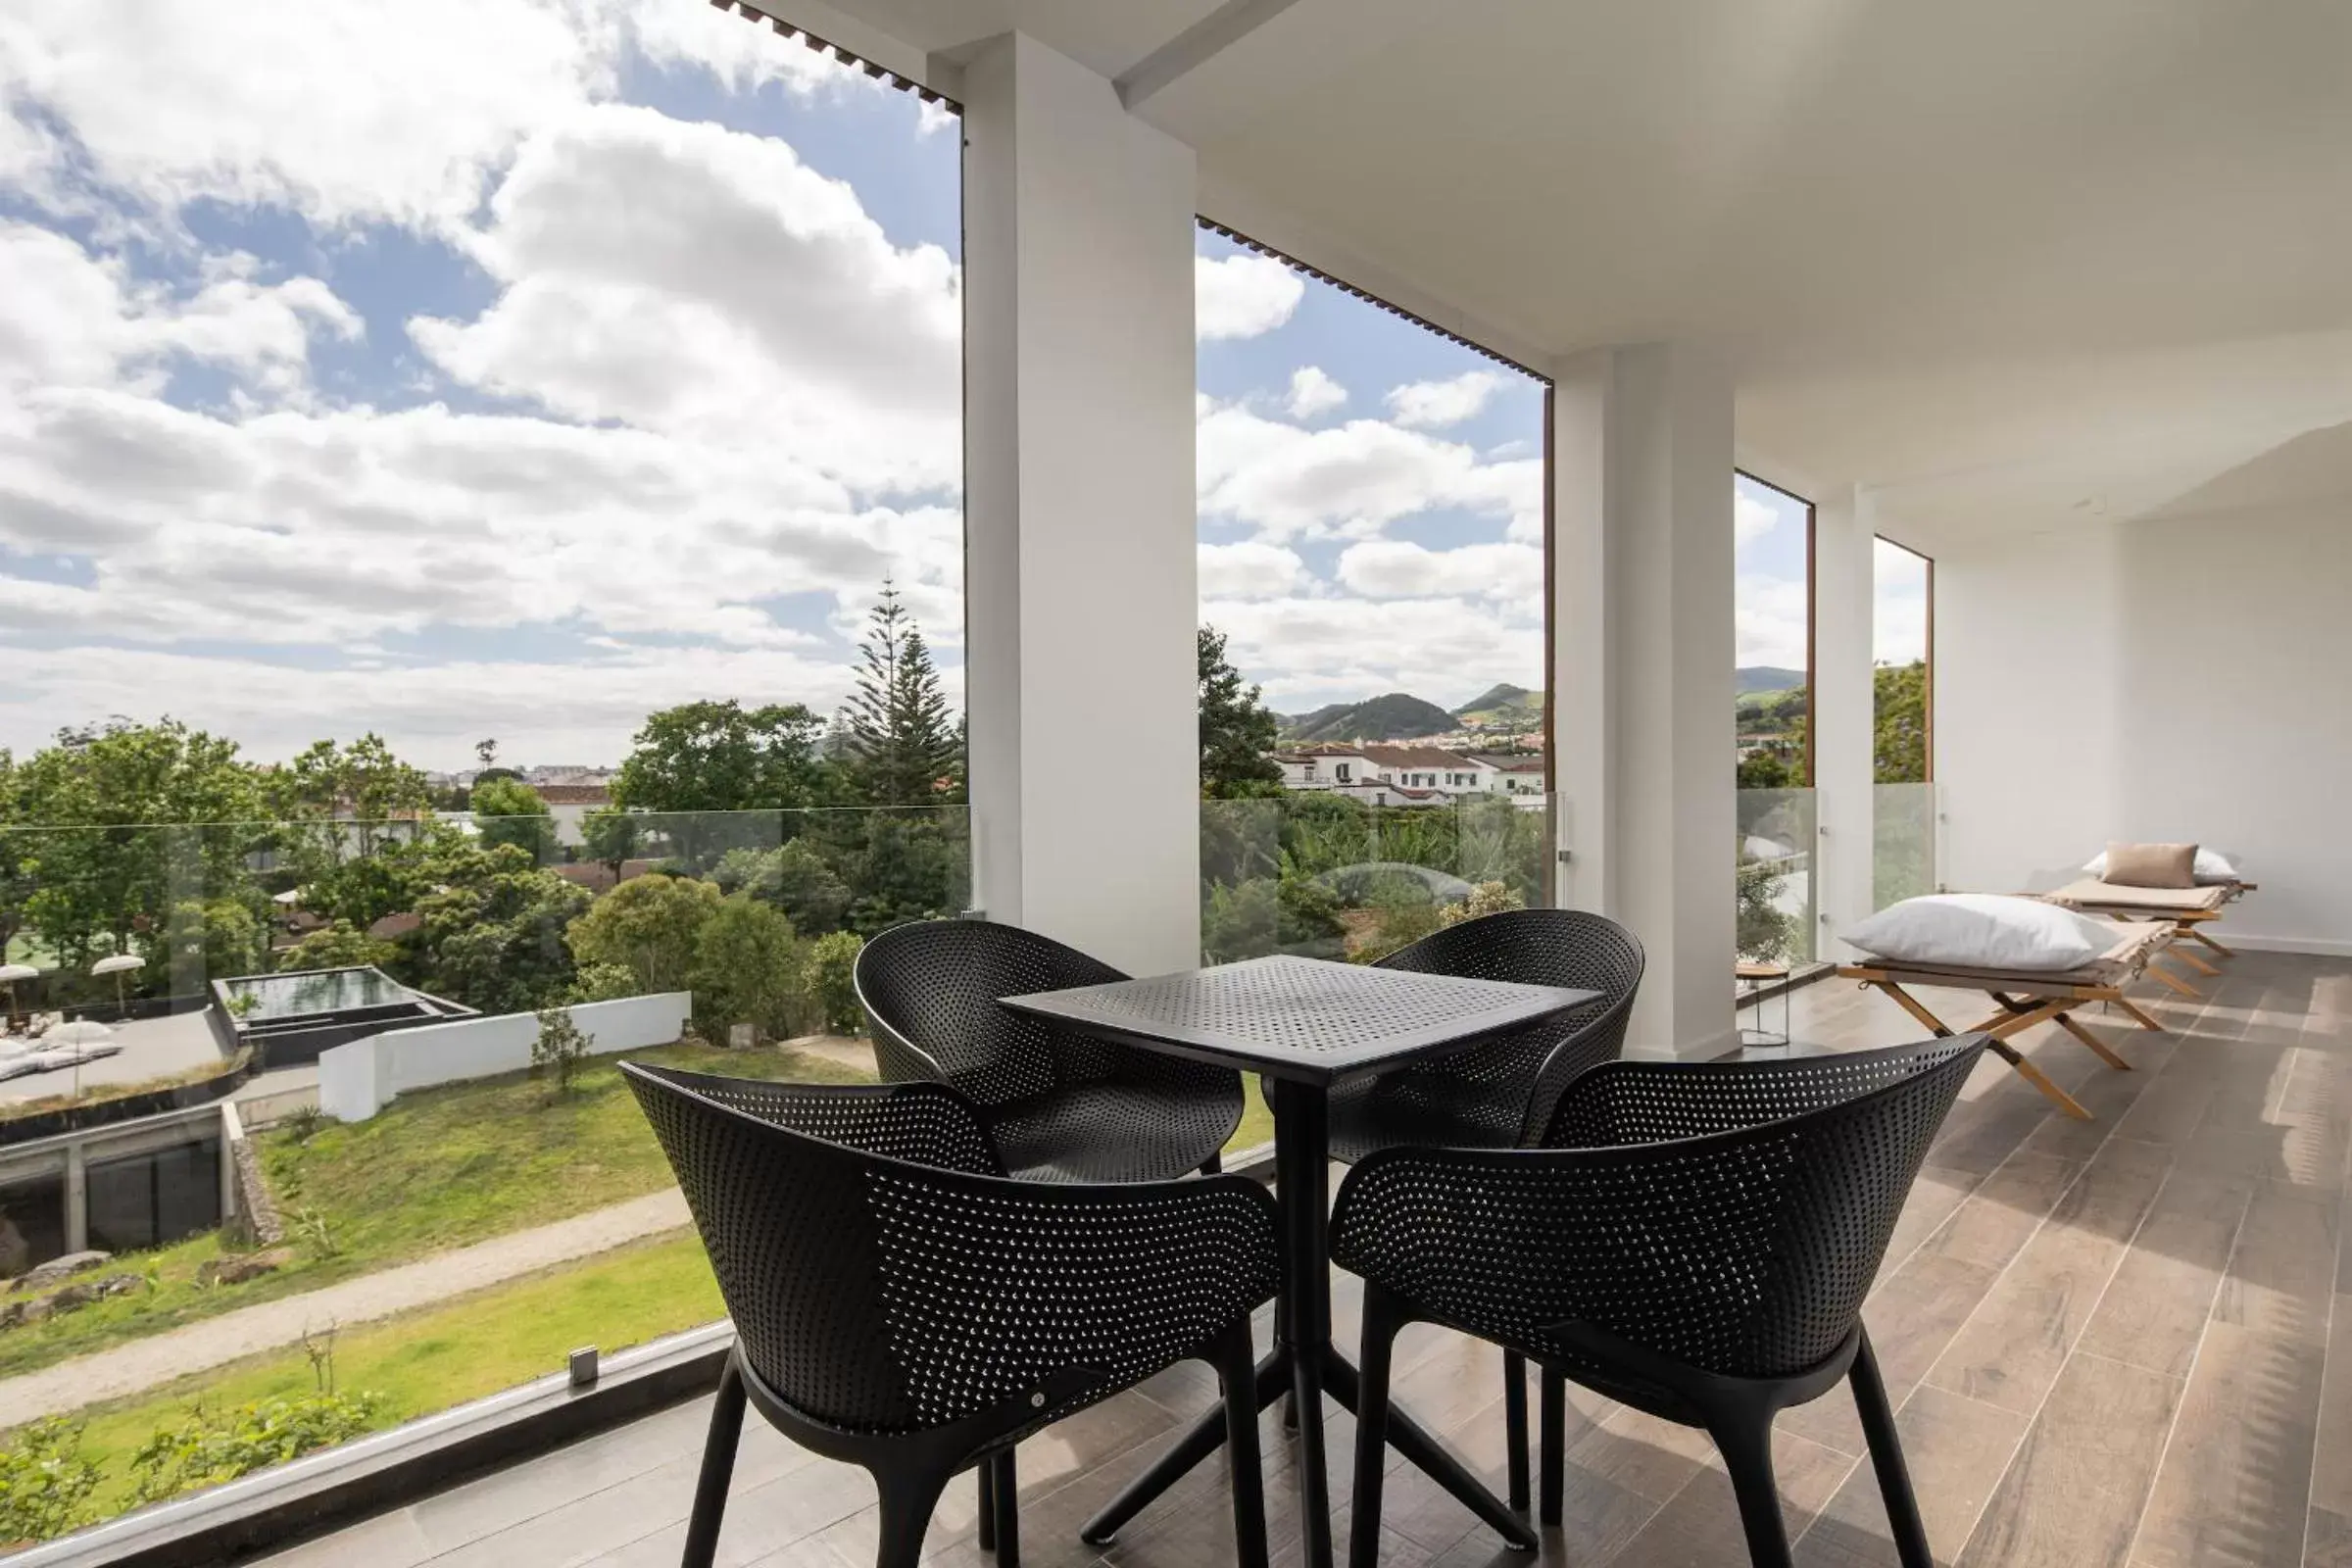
(2152, 865)
(2090, 895)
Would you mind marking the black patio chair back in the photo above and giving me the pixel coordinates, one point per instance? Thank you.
(1693, 1239)
(901, 1304)
(1522, 1072)
(930, 993)
(1061, 1106)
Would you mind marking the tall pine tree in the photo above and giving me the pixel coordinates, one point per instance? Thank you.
(903, 741)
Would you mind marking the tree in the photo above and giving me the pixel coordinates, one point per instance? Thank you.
(492, 931)
(121, 821)
(348, 794)
(506, 810)
(747, 968)
(831, 974)
(338, 945)
(485, 753)
(793, 877)
(1763, 931)
(1899, 742)
(611, 835)
(211, 938)
(903, 742)
(1237, 731)
(558, 1046)
(721, 756)
(650, 925)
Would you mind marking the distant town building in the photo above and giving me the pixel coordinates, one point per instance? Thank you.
(1410, 773)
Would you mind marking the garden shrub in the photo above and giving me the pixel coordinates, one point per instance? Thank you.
(832, 980)
(207, 1447)
(45, 1483)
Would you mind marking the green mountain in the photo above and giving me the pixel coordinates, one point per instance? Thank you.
(1500, 699)
(1766, 678)
(1394, 716)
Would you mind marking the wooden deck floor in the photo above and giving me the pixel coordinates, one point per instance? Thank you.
(2108, 1343)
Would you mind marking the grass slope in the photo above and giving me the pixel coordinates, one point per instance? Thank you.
(440, 1168)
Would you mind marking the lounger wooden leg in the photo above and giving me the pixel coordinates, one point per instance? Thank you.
(2041, 1080)
(2165, 977)
(2199, 932)
(1916, 1008)
(2133, 1009)
(2066, 1022)
(2192, 961)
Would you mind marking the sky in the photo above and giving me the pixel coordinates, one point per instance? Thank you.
(511, 368)
(1770, 588)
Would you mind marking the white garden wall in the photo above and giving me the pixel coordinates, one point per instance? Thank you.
(358, 1080)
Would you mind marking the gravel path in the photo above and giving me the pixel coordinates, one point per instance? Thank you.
(199, 1346)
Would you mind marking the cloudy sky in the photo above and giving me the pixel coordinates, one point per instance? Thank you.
(513, 367)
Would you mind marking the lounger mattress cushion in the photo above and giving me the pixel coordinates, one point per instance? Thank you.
(2135, 944)
(1984, 931)
(2091, 894)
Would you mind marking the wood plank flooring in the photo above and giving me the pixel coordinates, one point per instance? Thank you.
(2124, 1342)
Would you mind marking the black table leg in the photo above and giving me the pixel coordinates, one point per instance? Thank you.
(1304, 1362)
(1301, 1181)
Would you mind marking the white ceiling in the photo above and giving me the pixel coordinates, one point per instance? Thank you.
(2004, 263)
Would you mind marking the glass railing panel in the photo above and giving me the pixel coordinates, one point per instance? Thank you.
(1319, 873)
(1775, 883)
(245, 1061)
(1905, 822)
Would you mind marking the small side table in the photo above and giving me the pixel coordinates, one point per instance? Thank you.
(1754, 978)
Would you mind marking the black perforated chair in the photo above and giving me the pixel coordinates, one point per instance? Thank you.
(1061, 1106)
(1695, 1240)
(1498, 1092)
(901, 1304)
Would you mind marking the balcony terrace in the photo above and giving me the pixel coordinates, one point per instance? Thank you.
(2108, 1342)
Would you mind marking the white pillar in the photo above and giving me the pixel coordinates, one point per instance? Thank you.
(1080, 577)
(1844, 720)
(1642, 553)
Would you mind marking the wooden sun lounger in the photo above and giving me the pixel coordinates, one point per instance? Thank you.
(2189, 909)
(2027, 999)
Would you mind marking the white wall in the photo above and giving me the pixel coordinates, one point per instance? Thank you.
(358, 1080)
(2163, 679)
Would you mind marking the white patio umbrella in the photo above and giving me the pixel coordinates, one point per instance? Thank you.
(118, 965)
(80, 1032)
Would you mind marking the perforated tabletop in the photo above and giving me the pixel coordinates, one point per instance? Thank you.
(1300, 1018)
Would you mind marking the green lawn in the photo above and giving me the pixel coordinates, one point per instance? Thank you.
(439, 1168)
(429, 1360)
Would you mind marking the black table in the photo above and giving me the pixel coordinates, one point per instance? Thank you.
(1304, 1025)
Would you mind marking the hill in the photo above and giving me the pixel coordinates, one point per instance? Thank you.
(1766, 678)
(1398, 715)
(1502, 698)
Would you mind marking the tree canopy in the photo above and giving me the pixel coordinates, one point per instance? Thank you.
(506, 810)
(722, 756)
(901, 737)
(1899, 750)
(1237, 730)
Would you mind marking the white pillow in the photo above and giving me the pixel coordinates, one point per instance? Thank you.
(1984, 931)
(2212, 867)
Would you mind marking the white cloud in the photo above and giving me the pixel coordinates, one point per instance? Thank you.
(685, 277)
(1312, 392)
(1352, 479)
(1751, 521)
(1250, 570)
(1242, 296)
(1769, 621)
(1434, 405)
(350, 109)
(1313, 651)
(67, 319)
(1396, 569)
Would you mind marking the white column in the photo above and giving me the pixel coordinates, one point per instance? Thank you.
(1845, 722)
(1643, 552)
(1080, 578)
